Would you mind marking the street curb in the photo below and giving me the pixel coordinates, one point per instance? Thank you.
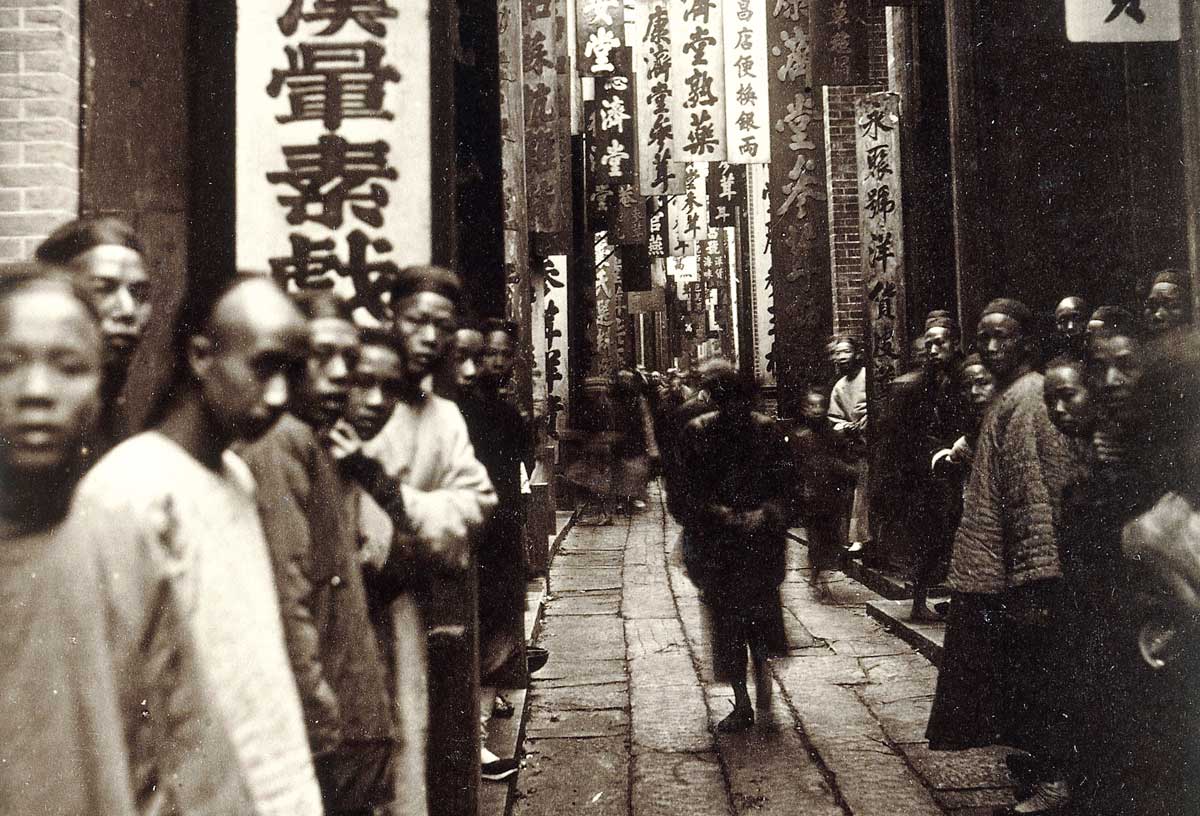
(924, 636)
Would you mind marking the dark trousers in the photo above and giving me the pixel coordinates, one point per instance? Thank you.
(356, 777)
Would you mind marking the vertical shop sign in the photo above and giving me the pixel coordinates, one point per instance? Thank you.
(600, 196)
(692, 221)
(799, 218)
(610, 309)
(545, 121)
(747, 109)
(657, 175)
(554, 298)
(517, 303)
(726, 193)
(1123, 20)
(658, 240)
(600, 29)
(698, 80)
(840, 43)
(629, 223)
(319, 89)
(877, 138)
(762, 304)
(615, 129)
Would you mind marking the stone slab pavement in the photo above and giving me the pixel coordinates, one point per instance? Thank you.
(621, 720)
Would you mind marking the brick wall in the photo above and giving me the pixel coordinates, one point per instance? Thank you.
(39, 121)
(842, 183)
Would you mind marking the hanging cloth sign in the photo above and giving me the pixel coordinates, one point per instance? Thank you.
(747, 107)
(698, 80)
(726, 193)
(657, 174)
(600, 30)
(615, 130)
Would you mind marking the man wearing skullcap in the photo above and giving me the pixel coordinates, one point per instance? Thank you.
(996, 684)
(1070, 328)
(1168, 303)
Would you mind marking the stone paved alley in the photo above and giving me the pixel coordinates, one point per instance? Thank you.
(620, 720)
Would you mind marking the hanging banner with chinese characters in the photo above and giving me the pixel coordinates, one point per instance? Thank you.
(698, 80)
(600, 197)
(762, 304)
(840, 42)
(658, 241)
(615, 130)
(554, 299)
(610, 310)
(799, 217)
(333, 191)
(629, 223)
(747, 109)
(726, 193)
(881, 223)
(545, 121)
(657, 175)
(517, 301)
(1123, 20)
(600, 30)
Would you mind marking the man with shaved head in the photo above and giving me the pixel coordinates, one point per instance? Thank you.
(180, 487)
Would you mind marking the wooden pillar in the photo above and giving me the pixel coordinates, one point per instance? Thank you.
(1189, 81)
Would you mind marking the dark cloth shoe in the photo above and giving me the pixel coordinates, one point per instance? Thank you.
(738, 720)
(536, 658)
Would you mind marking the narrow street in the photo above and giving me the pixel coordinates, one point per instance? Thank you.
(621, 719)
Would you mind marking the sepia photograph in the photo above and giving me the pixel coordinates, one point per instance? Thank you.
(599, 408)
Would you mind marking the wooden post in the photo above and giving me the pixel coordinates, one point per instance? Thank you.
(1189, 81)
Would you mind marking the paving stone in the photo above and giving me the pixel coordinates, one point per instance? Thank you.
(678, 785)
(587, 698)
(646, 601)
(586, 579)
(798, 636)
(958, 770)
(771, 774)
(903, 720)
(957, 800)
(583, 637)
(584, 559)
(834, 713)
(591, 603)
(799, 672)
(874, 780)
(570, 724)
(669, 718)
(574, 776)
(561, 672)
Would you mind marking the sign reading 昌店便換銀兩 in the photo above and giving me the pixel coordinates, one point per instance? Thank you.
(1118, 21)
(330, 96)
(747, 107)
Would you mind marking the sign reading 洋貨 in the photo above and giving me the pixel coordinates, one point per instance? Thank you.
(333, 161)
(1123, 20)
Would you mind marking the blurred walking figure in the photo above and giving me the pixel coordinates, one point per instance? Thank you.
(848, 411)
(238, 353)
(93, 639)
(634, 447)
(734, 502)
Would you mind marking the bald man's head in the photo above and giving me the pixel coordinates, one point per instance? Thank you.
(248, 357)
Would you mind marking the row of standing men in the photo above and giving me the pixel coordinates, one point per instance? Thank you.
(222, 614)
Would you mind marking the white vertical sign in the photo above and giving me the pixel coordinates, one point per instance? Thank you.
(747, 113)
(333, 153)
(657, 173)
(558, 376)
(698, 80)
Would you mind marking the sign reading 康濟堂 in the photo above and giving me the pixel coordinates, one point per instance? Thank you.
(333, 155)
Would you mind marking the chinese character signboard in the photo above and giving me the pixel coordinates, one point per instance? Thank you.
(600, 28)
(698, 79)
(799, 216)
(554, 300)
(877, 137)
(333, 189)
(657, 174)
(1123, 20)
(629, 223)
(689, 212)
(545, 120)
(762, 304)
(747, 112)
(840, 42)
(600, 196)
(615, 128)
(726, 193)
(658, 241)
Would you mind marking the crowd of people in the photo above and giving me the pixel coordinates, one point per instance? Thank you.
(1049, 480)
(222, 613)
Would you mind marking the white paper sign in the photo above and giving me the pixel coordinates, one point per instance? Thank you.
(747, 112)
